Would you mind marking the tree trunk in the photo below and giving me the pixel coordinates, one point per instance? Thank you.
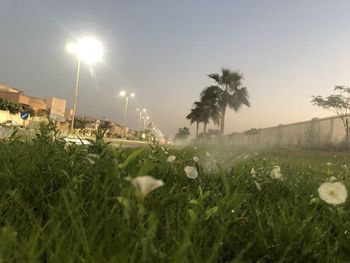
(222, 121)
(205, 127)
(197, 129)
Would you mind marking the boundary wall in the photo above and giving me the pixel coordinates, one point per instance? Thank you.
(313, 133)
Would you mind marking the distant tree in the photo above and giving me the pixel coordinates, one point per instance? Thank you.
(227, 93)
(210, 110)
(105, 125)
(194, 117)
(79, 123)
(12, 107)
(339, 104)
(201, 112)
(182, 134)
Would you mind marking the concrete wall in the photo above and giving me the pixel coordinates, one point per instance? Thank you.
(6, 115)
(30, 123)
(316, 132)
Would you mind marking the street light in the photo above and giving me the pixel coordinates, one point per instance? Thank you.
(144, 122)
(126, 95)
(88, 50)
(140, 115)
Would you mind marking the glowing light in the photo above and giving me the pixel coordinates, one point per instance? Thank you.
(122, 93)
(71, 47)
(88, 49)
(132, 94)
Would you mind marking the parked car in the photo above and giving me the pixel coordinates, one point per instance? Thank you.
(11, 123)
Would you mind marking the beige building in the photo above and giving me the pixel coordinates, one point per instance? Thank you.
(17, 96)
(56, 106)
(5, 88)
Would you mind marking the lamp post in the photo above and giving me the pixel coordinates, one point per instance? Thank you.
(144, 122)
(88, 50)
(75, 95)
(139, 124)
(126, 95)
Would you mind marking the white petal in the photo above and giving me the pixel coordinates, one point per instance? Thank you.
(333, 193)
(171, 158)
(146, 184)
(191, 172)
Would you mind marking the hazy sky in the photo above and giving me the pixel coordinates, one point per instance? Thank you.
(163, 50)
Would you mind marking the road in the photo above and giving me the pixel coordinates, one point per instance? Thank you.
(6, 132)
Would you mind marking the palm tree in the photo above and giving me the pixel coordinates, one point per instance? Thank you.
(201, 112)
(209, 99)
(227, 93)
(194, 116)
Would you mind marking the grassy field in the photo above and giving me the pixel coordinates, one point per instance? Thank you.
(69, 203)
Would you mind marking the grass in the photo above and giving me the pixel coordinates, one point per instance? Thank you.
(69, 203)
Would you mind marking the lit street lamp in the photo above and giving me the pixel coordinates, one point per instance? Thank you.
(88, 50)
(140, 115)
(145, 119)
(126, 95)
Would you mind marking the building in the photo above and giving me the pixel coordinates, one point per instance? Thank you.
(5, 88)
(54, 106)
(68, 114)
(14, 95)
(57, 108)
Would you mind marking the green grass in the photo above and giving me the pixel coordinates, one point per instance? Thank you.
(68, 203)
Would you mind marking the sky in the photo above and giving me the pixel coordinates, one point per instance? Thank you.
(163, 51)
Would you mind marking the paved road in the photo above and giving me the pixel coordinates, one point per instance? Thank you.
(6, 132)
(114, 142)
(126, 143)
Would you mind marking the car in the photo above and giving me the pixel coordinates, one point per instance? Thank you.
(11, 123)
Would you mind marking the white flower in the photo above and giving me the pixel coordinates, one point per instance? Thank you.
(252, 172)
(166, 153)
(345, 166)
(333, 193)
(329, 164)
(195, 148)
(333, 179)
(191, 172)
(258, 186)
(276, 172)
(171, 158)
(246, 156)
(146, 184)
(208, 154)
(196, 159)
(162, 148)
